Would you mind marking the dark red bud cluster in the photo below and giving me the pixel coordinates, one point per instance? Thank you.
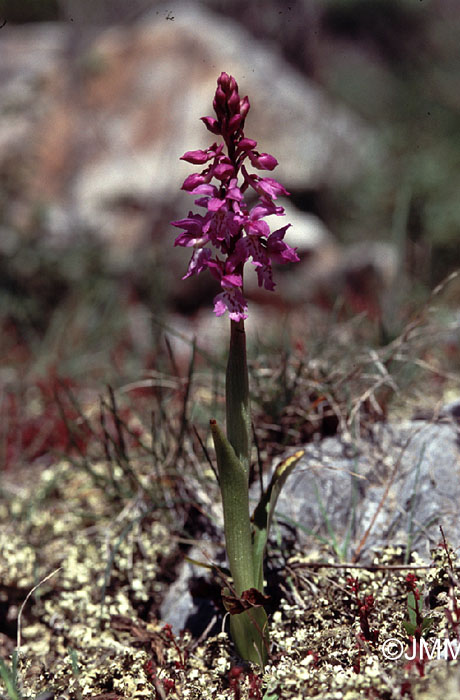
(411, 582)
(369, 601)
(230, 110)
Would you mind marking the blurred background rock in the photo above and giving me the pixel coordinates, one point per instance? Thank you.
(357, 99)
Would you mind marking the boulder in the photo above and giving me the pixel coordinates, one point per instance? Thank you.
(394, 487)
(105, 114)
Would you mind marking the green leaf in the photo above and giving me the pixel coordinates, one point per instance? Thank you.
(412, 608)
(263, 514)
(274, 695)
(409, 627)
(9, 679)
(427, 623)
(235, 501)
(249, 631)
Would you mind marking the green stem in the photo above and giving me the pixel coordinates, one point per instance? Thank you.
(248, 629)
(237, 396)
(233, 451)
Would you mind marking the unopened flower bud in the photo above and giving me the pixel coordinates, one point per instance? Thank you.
(212, 125)
(244, 107)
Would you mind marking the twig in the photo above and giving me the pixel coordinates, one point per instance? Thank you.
(183, 419)
(172, 357)
(205, 452)
(365, 567)
(259, 461)
(44, 580)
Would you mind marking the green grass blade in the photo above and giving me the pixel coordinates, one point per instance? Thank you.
(9, 678)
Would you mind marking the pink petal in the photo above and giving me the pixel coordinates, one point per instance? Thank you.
(264, 277)
(232, 280)
(234, 301)
(193, 181)
(271, 187)
(246, 144)
(198, 262)
(223, 171)
(244, 107)
(262, 161)
(212, 125)
(197, 157)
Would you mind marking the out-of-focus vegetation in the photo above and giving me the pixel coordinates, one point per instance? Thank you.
(100, 11)
(29, 10)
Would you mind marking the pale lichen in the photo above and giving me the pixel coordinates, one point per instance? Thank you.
(88, 630)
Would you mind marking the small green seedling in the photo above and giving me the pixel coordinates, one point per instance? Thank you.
(417, 625)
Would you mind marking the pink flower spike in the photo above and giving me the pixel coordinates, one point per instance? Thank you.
(237, 232)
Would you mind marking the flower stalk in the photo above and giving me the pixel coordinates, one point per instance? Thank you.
(223, 239)
(238, 413)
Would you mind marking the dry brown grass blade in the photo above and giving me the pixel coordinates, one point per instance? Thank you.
(389, 483)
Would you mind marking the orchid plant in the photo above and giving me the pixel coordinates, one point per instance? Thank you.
(223, 239)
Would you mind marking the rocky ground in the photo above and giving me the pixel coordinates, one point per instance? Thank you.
(93, 545)
(91, 628)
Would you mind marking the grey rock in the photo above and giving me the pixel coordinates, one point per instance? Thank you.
(182, 608)
(395, 487)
